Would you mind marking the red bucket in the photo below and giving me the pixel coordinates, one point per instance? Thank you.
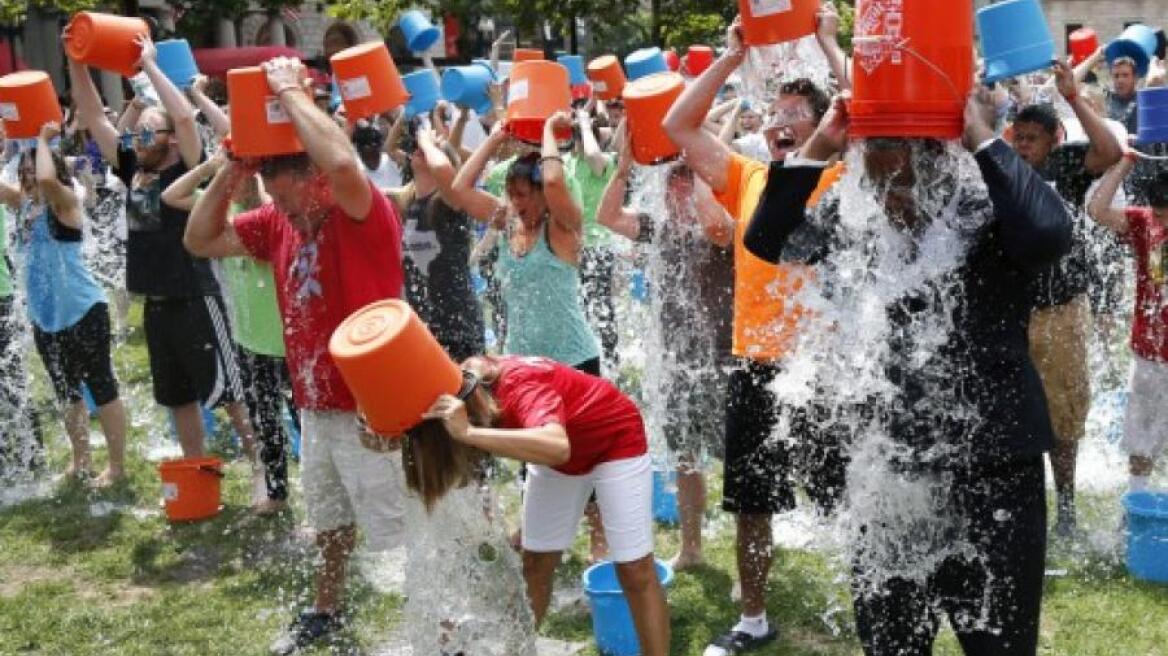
(1082, 43)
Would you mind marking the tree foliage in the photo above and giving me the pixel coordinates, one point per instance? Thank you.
(13, 12)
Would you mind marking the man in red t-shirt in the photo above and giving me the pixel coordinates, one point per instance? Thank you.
(1146, 229)
(335, 246)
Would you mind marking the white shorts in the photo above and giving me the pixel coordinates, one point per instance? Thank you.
(554, 503)
(346, 484)
(1145, 430)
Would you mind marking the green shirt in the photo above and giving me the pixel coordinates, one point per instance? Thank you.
(591, 191)
(252, 306)
(6, 289)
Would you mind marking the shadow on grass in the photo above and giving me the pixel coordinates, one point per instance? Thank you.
(69, 520)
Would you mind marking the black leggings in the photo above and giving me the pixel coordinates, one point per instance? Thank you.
(596, 271)
(265, 381)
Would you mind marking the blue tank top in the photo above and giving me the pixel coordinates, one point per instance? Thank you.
(59, 289)
(542, 296)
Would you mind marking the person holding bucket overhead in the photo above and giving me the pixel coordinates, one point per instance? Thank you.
(192, 357)
(334, 242)
(66, 307)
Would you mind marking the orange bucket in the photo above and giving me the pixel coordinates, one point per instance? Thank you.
(393, 365)
(537, 90)
(647, 101)
(190, 488)
(368, 80)
(698, 59)
(28, 101)
(261, 126)
(527, 54)
(106, 41)
(765, 22)
(911, 79)
(608, 78)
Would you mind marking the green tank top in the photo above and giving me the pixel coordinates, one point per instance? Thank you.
(542, 296)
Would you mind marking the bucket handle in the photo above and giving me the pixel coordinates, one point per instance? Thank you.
(1151, 158)
(210, 469)
(903, 46)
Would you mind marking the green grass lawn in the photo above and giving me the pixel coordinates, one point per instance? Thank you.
(84, 572)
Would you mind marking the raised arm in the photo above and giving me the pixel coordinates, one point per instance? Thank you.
(10, 196)
(1099, 206)
(323, 139)
(181, 193)
(393, 140)
(209, 233)
(218, 118)
(827, 34)
(1105, 149)
(594, 156)
(562, 206)
(62, 198)
(91, 112)
(464, 191)
(439, 163)
(546, 445)
(611, 212)
(1085, 67)
(182, 114)
(707, 155)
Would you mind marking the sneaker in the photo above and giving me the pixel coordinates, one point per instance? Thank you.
(308, 628)
(739, 642)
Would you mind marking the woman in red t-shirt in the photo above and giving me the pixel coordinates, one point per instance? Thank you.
(579, 433)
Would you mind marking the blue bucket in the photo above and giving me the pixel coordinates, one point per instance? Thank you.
(1138, 42)
(177, 62)
(420, 33)
(1152, 110)
(502, 72)
(467, 86)
(424, 92)
(665, 509)
(645, 61)
(639, 286)
(612, 623)
(575, 66)
(1015, 39)
(1147, 538)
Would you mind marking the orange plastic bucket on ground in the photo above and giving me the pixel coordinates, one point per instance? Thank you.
(368, 79)
(393, 365)
(260, 126)
(765, 22)
(647, 101)
(527, 54)
(537, 90)
(28, 101)
(106, 41)
(608, 78)
(190, 488)
(911, 79)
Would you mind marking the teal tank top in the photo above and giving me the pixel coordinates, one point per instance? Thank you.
(542, 296)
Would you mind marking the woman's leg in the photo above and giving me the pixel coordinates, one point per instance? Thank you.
(646, 599)
(539, 568)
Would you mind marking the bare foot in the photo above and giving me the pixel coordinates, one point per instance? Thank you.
(109, 478)
(72, 475)
(517, 540)
(269, 507)
(684, 561)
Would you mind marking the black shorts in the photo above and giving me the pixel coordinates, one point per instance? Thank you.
(758, 462)
(192, 356)
(80, 354)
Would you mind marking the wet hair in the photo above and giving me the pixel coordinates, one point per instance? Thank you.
(368, 137)
(1043, 115)
(526, 168)
(1158, 189)
(296, 164)
(1124, 61)
(818, 99)
(64, 175)
(435, 463)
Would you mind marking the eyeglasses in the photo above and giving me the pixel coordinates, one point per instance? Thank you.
(144, 137)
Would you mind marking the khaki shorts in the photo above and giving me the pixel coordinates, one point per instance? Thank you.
(1058, 346)
(346, 484)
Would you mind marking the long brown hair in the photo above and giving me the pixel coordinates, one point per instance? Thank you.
(436, 463)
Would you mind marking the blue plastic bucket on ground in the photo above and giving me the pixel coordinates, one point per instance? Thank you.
(1152, 110)
(645, 61)
(424, 92)
(612, 623)
(665, 508)
(1147, 537)
(419, 32)
(1015, 39)
(468, 86)
(1138, 42)
(575, 66)
(177, 62)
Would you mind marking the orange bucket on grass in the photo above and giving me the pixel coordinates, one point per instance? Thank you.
(190, 488)
(647, 101)
(765, 22)
(608, 78)
(28, 101)
(368, 79)
(261, 127)
(527, 54)
(911, 79)
(106, 41)
(393, 365)
(537, 90)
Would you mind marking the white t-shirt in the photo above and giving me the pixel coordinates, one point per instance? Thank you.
(387, 175)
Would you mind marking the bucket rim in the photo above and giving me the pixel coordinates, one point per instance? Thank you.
(665, 576)
(1161, 498)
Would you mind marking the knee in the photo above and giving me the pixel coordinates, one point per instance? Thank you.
(637, 576)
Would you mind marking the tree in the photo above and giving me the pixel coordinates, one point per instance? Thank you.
(13, 12)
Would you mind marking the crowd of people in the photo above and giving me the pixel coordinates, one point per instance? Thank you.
(246, 267)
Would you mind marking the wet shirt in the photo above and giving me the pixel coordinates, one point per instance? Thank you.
(1065, 168)
(436, 242)
(1123, 110)
(59, 289)
(157, 263)
(603, 425)
(1149, 240)
(320, 280)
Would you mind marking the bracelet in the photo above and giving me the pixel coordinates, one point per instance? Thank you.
(555, 158)
(1071, 97)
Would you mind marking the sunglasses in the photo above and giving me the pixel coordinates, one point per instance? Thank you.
(144, 137)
